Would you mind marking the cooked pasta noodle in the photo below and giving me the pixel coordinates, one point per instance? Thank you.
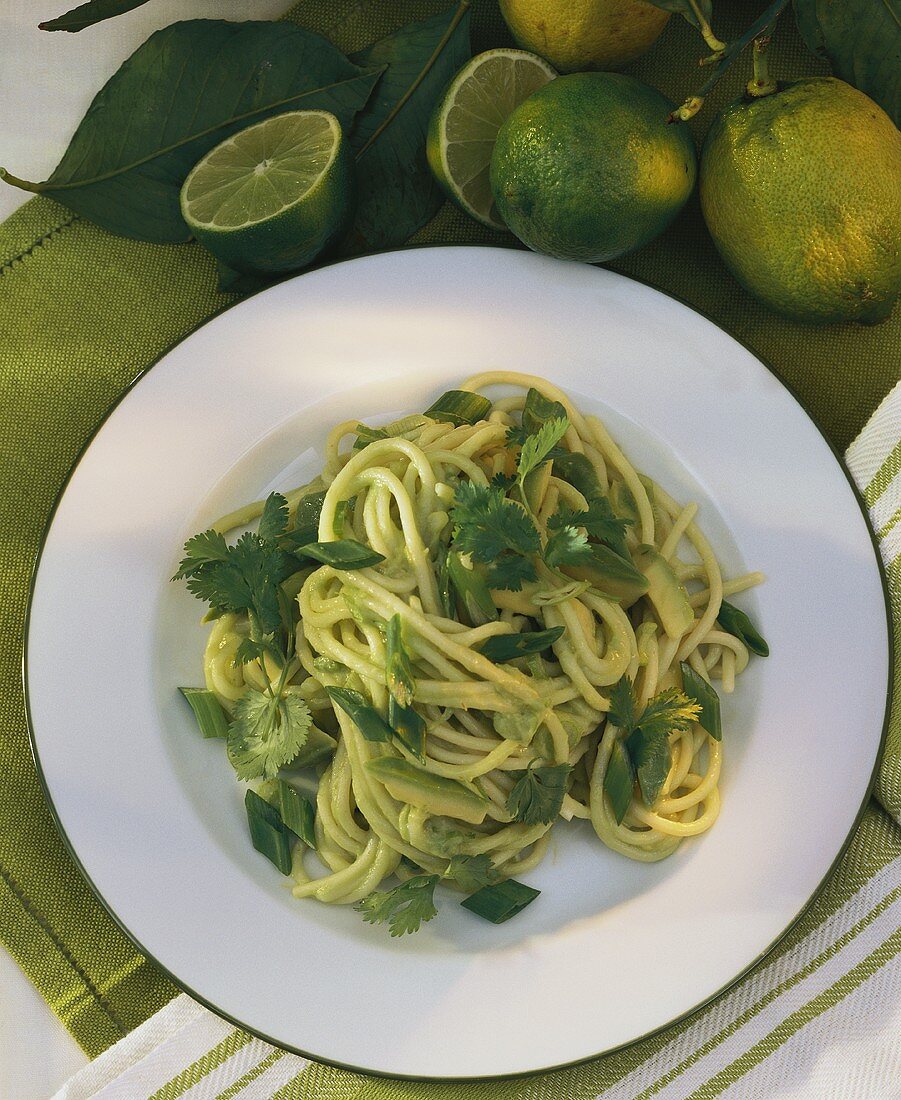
(486, 722)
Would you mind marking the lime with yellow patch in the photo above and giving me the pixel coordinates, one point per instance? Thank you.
(271, 198)
(587, 167)
(801, 192)
(465, 124)
(585, 34)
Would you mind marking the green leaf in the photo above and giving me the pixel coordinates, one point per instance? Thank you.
(537, 448)
(203, 549)
(253, 649)
(472, 872)
(670, 711)
(364, 716)
(487, 523)
(510, 571)
(619, 780)
(600, 521)
(86, 15)
(397, 193)
(306, 521)
(502, 901)
(211, 718)
(704, 694)
(508, 647)
(652, 759)
(274, 519)
(538, 410)
(406, 908)
(459, 407)
(267, 733)
(622, 705)
(268, 832)
(537, 795)
(341, 554)
(862, 40)
(187, 88)
(470, 586)
(735, 622)
(567, 546)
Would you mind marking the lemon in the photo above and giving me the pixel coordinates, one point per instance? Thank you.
(272, 197)
(801, 191)
(587, 167)
(466, 120)
(585, 34)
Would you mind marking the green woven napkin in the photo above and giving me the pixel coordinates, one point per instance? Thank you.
(81, 313)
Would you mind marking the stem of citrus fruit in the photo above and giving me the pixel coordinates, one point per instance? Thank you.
(762, 83)
(706, 30)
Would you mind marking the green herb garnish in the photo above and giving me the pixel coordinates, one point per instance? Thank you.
(211, 718)
(342, 554)
(619, 780)
(735, 622)
(537, 795)
(508, 647)
(704, 694)
(472, 872)
(459, 407)
(405, 908)
(502, 901)
(366, 718)
(268, 832)
(269, 729)
(296, 812)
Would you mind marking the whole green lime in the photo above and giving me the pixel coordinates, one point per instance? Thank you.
(801, 191)
(587, 167)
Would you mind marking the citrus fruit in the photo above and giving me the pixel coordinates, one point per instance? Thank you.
(585, 34)
(270, 198)
(801, 191)
(466, 120)
(587, 168)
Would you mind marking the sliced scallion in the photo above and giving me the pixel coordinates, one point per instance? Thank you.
(366, 435)
(538, 410)
(306, 521)
(268, 833)
(211, 718)
(366, 718)
(652, 759)
(296, 812)
(697, 688)
(500, 902)
(619, 780)
(577, 470)
(342, 554)
(508, 647)
(408, 726)
(398, 669)
(735, 622)
(459, 407)
(470, 586)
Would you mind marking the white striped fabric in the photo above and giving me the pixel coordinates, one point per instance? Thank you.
(820, 1021)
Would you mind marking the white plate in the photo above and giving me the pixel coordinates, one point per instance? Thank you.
(613, 949)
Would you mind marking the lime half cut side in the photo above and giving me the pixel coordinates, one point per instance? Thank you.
(270, 198)
(466, 121)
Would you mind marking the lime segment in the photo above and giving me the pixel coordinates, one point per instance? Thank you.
(466, 122)
(271, 197)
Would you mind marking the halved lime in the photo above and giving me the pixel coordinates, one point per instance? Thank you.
(466, 121)
(272, 197)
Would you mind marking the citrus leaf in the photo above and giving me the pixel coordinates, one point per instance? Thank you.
(187, 88)
(86, 15)
(862, 40)
(397, 193)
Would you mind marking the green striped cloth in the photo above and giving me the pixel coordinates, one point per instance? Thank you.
(81, 313)
(821, 1017)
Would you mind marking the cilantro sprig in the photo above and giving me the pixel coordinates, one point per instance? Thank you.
(537, 795)
(405, 908)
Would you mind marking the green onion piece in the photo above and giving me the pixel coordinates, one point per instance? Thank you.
(697, 688)
(366, 718)
(342, 554)
(398, 670)
(508, 647)
(296, 812)
(734, 621)
(211, 718)
(306, 521)
(268, 832)
(445, 595)
(578, 471)
(408, 726)
(538, 410)
(652, 759)
(619, 780)
(500, 902)
(474, 594)
(459, 407)
(341, 510)
(366, 435)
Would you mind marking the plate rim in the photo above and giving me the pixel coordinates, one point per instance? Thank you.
(449, 1079)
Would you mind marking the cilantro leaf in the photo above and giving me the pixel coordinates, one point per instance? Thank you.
(510, 571)
(622, 705)
(274, 520)
(267, 732)
(472, 872)
(537, 448)
(537, 796)
(669, 712)
(503, 481)
(405, 908)
(251, 649)
(567, 546)
(517, 435)
(600, 521)
(487, 523)
(207, 548)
